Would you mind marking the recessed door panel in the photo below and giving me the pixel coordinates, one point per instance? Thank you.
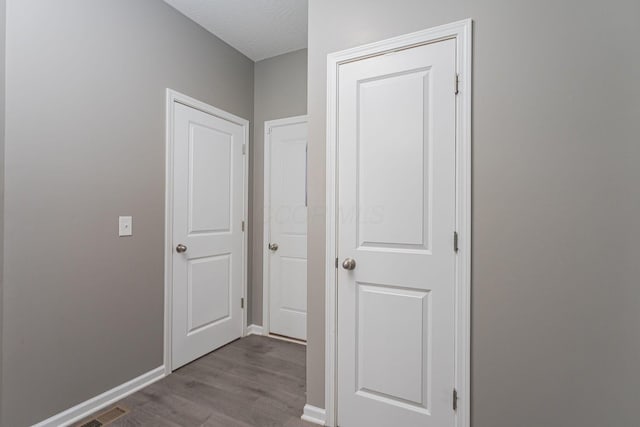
(290, 162)
(210, 179)
(393, 141)
(209, 289)
(292, 296)
(392, 340)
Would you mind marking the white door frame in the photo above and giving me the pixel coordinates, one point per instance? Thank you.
(266, 282)
(172, 98)
(461, 32)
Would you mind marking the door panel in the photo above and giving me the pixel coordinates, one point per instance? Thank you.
(209, 300)
(392, 130)
(210, 184)
(207, 214)
(288, 229)
(292, 296)
(391, 365)
(396, 198)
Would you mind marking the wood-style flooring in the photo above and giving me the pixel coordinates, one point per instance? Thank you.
(253, 382)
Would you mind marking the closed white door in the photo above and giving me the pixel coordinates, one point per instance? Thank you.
(208, 197)
(286, 207)
(396, 197)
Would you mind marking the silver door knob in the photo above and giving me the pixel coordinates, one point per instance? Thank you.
(273, 246)
(349, 264)
(181, 248)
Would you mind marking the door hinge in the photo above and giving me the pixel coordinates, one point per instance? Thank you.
(242, 225)
(457, 84)
(455, 241)
(455, 399)
(244, 148)
(336, 262)
(241, 302)
(269, 131)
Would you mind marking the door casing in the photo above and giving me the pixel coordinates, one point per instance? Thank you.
(461, 32)
(266, 282)
(173, 97)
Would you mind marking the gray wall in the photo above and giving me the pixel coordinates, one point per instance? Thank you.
(3, 27)
(280, 91)
(556, 200)
(83, 309)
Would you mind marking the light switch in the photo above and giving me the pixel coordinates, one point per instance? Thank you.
(124, 226)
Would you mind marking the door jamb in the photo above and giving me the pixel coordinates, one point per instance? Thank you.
(173, 97)
(266, 282)
(461, 32)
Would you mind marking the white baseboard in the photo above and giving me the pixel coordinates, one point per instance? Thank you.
(103, 400)
(254, 330)
(314, 415)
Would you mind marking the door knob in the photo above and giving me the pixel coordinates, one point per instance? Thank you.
(181, 248)
(273, 246)
(349, 264)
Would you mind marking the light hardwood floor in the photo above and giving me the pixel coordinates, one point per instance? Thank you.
(255, 381)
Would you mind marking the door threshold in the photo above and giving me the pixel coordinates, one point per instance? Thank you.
(284, 338)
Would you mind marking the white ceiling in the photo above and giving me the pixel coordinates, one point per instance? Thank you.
(258, 28)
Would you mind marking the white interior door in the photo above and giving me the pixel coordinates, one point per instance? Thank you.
(396, 199)
(208, 210)
(286, 197)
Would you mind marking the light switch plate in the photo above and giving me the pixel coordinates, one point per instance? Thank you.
(125, 224)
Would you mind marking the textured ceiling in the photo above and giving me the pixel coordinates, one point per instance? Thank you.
(258, 28)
